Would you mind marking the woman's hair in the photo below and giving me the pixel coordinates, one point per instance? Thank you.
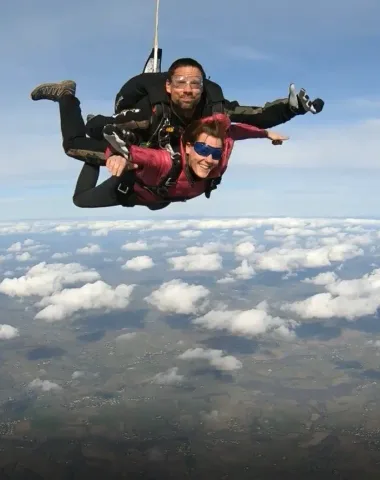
(213, 126)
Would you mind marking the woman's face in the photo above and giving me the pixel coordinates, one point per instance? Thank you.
(204, 155)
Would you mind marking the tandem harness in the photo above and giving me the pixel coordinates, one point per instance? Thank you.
(162, 133)
(127, 196)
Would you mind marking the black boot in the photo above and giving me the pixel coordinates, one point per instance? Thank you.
(300, 102)
(54, 91)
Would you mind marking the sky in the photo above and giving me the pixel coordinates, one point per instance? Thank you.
(254, 50)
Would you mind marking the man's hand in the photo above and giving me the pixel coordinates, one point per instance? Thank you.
(117, 164)
(277, 138)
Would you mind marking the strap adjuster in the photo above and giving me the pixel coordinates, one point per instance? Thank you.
(125, 186)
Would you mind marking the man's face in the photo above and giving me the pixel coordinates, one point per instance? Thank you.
(185, 87)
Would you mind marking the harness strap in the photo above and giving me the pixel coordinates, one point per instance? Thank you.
(129, 179)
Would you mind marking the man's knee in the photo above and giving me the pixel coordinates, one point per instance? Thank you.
(77, 202)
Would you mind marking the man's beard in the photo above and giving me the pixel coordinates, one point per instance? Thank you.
(187, 103)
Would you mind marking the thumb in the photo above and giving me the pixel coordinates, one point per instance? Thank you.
(131, 166)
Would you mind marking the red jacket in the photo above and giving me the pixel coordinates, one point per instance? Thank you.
(154, 164)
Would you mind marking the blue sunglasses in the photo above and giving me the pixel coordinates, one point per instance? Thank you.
(205, 150)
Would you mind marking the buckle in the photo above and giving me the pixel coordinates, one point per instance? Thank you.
(120, 187)
(161, 191)
(169, 183)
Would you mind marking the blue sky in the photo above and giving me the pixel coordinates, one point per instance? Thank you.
(253, 49)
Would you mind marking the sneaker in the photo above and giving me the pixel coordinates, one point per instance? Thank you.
(54, 91)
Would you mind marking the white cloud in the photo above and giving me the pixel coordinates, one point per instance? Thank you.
(15, 247)
(250, 323)
(58, 255)
(77, 374)
(138, 263)
(126, 336)
(197, 262)
(92, 296)
(7, 332)
(244, 272)
(28, 244)
(323, 278)
(178, 297)
(89, 249)
(139, 245)
(214, 357)
(192, 224)
(24, 257)
(281, 231)
(44, 385)
(284, 259)
(348, 299)
(227, 279)
(209, 247)
(64, 228)
(23, 249)
(244, 249)
(103, 232)
(44, 279)
(169, 377)
(190, 233)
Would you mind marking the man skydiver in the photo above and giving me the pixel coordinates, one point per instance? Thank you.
(171, 88)
(148, 102)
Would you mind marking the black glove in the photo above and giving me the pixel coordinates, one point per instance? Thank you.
(300, 102)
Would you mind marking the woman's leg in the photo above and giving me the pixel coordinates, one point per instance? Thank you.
(88, 195)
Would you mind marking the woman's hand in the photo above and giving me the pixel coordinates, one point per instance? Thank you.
(277, 139)
(116, 165)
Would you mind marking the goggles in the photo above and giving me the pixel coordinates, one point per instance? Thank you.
(180, 82)
(205, 150)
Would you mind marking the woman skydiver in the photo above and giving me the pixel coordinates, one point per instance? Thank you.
(156, 178)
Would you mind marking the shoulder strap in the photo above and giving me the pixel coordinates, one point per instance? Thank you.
(159, 120)
(212, 184)
(170, 179)
(128, 180)
(214, 97)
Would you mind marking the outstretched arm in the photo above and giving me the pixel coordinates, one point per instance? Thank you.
(242, 131)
